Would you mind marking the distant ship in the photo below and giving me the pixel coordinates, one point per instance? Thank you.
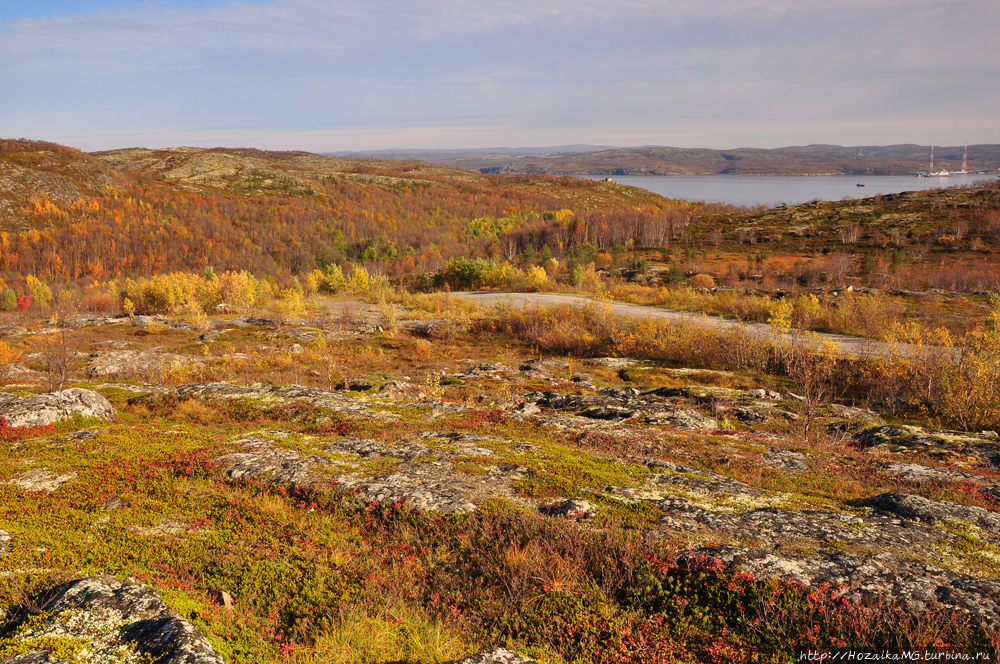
(859, 185)
(931, 173)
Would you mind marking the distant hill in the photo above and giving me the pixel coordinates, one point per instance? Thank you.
(68, 215)
(435, 155)
(656, 160)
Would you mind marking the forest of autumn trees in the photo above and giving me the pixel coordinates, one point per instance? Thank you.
(391, 225)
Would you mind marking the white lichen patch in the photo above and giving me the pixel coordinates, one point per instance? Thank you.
(41, 479)
(737, 502)
(85, 636)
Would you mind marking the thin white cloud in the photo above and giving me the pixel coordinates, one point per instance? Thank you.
(401, 73)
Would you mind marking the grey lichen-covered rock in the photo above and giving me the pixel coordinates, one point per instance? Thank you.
(113, 622)
(134, 363)
(496, 656)
(682, 418)
(925, 509)
(607, 413)
(744, 414)
(573, 509)
(614, 404)
(953, 447)
(5, 540)
(669, 474)
(46, 409)
(527, 408)
(277, 395)
(914, 584)
(764, 394)
(373, 448)
(773, 526)
(41, 479)
(435, 486)
(261, 459)
(424, 488)
(784, 459)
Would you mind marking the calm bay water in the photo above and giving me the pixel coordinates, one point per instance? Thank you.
(773, 190)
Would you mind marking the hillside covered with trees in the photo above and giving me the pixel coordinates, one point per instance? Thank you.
(67, 215)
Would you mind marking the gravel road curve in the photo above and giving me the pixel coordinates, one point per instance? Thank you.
(849, 346)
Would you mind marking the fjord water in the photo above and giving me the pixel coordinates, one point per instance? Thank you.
(774, 190)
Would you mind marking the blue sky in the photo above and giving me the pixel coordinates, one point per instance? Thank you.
(326, 75)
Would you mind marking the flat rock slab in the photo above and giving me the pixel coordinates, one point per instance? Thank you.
(771, 526)
(621, 404)
(925, 509)
(116, 622)
(136, 362)
(957, 447)
(916, 585)
(436, 486)
(41, 479)
(373, 448)
(260, 459)
(496, 656)
(417, 487)
(668, 474)
(276, 395)
(46, 409)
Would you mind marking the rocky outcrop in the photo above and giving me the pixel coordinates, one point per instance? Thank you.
(269, 396)
(573, 509)
(915, 585)
(41, 479)
(925, 509)
(613, 404)
(427, 488)
(496, 656)
(372, 448)
(136, 363)
(422, 477)
(113, 622)
(260, 459)
(46, 409)
(953, 447)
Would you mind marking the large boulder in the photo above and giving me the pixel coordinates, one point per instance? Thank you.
(46, 409)
(113, 621)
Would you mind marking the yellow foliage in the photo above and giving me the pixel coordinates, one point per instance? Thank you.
(239, 290)
(334, 281)
(314, 281)
(551, 267)
(781, 316)
(8, 354)
(359, 281)
(160, 294)
(702, 281)
(501, 275)
(536, 277)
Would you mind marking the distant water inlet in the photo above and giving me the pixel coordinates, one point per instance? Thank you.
(774, 190)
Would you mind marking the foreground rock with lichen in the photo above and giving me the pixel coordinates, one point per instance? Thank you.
(104, 620)
(45, 409)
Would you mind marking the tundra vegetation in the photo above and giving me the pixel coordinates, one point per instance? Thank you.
(316, 453)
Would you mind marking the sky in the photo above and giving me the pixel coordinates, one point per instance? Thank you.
(340, 75)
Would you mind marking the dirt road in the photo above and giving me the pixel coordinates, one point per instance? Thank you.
(849, 346)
